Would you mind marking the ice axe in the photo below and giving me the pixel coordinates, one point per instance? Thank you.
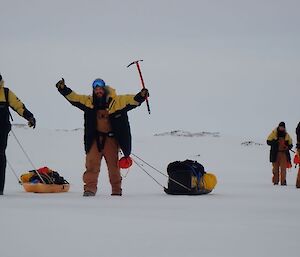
(142, 80)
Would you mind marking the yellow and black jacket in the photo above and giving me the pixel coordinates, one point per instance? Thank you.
(9, 99)
(272, 140)
(117, 106)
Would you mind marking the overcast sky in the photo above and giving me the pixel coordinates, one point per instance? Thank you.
(227, 66)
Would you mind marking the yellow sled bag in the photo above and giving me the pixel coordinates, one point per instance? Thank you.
(208, 181)
(44, 180)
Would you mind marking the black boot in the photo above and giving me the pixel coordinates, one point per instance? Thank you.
(117, 193)
(283, 183)
(88, 193)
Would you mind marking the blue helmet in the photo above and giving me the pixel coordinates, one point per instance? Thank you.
(98, 83)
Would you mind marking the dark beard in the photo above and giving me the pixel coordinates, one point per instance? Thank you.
(281, 133)
(100, 103)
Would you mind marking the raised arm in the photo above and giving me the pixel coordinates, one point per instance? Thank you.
(80, 101)
(128, 102)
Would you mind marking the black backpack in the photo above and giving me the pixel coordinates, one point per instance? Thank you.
(52, 177)
(184, 178)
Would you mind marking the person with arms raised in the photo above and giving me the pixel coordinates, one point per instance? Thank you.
(106, 130)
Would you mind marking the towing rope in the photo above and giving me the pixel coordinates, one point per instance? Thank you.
(151, 166)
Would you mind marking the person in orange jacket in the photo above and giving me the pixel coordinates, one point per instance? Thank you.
(9, 100)
(298, 153)
(281, 144)
(106, 130)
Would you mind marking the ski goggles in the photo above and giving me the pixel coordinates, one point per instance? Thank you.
(98, 83)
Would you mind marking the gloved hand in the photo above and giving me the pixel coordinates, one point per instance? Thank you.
(287, 146)
(61, 84)
(32, 122)
(144, 93)
(273, 142)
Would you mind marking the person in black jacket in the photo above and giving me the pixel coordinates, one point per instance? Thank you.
(281, 144)
(106, 130)
(9, 99)
(298, 136)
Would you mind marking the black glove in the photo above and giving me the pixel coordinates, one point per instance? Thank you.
(61, 84)
(32, 122)
(272, 142)
(142, 95)
(287, 146)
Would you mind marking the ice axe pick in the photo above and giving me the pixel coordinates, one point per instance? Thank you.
(142, 80)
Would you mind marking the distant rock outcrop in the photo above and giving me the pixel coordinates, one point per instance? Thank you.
(250, 143)
(20, 125)
(70, 130)
(181, 133)
(25, 126)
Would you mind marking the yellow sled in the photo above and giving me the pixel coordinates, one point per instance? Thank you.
(54, 183)
(45, 188)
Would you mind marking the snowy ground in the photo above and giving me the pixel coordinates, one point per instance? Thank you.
(244, 216)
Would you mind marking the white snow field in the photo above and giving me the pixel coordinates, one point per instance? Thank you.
(222, 73)
(244, 216)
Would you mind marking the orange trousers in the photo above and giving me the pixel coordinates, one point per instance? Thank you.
(279, 169)
(93, 162)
